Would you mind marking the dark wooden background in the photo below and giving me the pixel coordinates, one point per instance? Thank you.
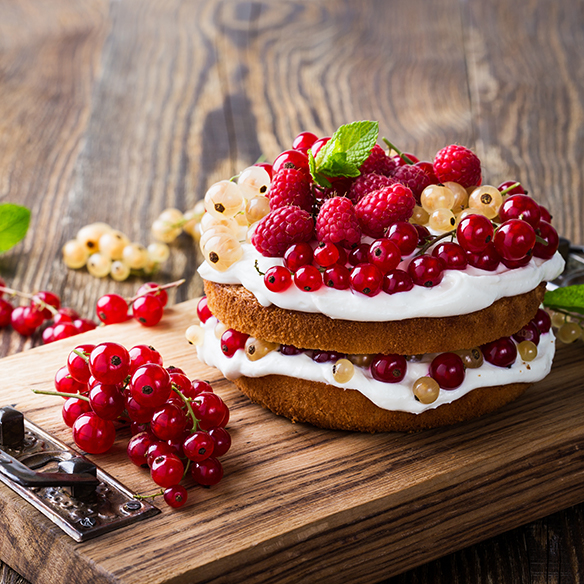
(113, 111)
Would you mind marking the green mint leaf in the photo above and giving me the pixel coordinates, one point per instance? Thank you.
(318, 178)
(570, 299)
(347, 149)
(14, 221)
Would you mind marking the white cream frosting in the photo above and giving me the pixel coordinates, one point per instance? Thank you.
(460, 292)
(388, 396)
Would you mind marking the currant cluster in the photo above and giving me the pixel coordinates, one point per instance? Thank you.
(568, 325)
(446, 370)
(177, 424)
(44, 307)
(104, 251)
(172, 222)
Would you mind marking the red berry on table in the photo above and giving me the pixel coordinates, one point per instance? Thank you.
(138, 447)
(73, 408)
(298, 255)
(447, 369)
(208, 472)
(147, 310)
(77, 362)
(93, 434)
(458, 164)
(107, 401)
(388, 368)
(337, 277)
(48, 298)
(290, 186)
(111, 309)
(167, 470)
(452, 254)
(210, 410)
(65, 314)
(156, 449)
(63, 330)
(546, 232)
(384, 254)
(137, 412)
(155, 290)
(197, 387)
(83, 325)
(277, 279)
(5, 312)
(232, 341)
(168, 422)
(514, 239)
(380, 209)
(405, 236)
(308, 279)
(203, 310)
(501, 352)
(488, 259)
(109, 363)
(397, 281)
(474, 233)
(367, 279)
(520, 207)
(48, 335)
(280, 229)
(426, 271)
(337, 223)
(150, 385)
(142, 354)
(291, 159)
(18, 321)
(182, 383)
(198, 446)
(326, 254)
(175, 496)
(222, 440)
(304, 141)
(64, 383)
(33, 318)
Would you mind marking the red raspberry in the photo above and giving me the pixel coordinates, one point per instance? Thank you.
(414, 178)
(384, 207)
(290, 186)
(378, 162)
(367, 183)
(280, 229)
(458, 164)
(337, 222)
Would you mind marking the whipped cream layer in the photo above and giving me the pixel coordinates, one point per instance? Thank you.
(460, 292)
(388, 396)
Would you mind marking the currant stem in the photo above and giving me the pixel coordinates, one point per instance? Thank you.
(187, 467)
(256, 266)
(432, 241)
(156, 289)
(144, 497)
(82, 354)
(37, 301)
(59, 394)
(510, 188)
(570, 314)
(189, 407)
(405, 158)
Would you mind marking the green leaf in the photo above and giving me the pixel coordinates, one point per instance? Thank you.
(14, 221)
(346, 151)
(570, 299)
(318, 178)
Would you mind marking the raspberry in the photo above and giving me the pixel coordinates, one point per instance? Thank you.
(337, 222)
(378, 162)
(384, 207)
(280, 229)
(290, 186)
(367, 183)
(414, 178)
(458, 164)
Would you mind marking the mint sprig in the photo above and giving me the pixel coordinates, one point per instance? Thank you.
(14, 221)
(344, 153)
(568, 299)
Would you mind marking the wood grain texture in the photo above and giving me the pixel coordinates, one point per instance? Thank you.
(294, 496)
(115, 110)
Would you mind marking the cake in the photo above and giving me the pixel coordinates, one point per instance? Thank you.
(354, 288)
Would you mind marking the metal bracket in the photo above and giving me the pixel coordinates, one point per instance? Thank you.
(75, 494)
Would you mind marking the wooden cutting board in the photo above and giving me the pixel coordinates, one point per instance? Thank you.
(299, 504)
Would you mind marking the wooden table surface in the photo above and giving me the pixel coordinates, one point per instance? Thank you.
(113, 111)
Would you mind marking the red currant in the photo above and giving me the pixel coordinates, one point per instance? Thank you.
(501, 352)
(65, 315)
(168, 422)
(18, 321)
(153, 289)
(426, 271)
(337, 277)
(207, 472)
(367, 279)
(424, 236)
(167, 470)
(315, 148)
(326, 254)
(359, 255)
(48, 298)
(447, 369)
(111, 309)
(175, 496)
(385, 254)
(267, 167)
(304, 141)
(150, 385)
(138, 447)
(93, 434)
(147, 310)
(546, 232)
(232, 341)
(77, 362)
(529, 332)
(520, 207)
(308, 278)
(326, 356)
(452, 254)
(197, 387)
(73, 408)
(397, 281)
(474, 233)
(404, 235)
(518, 190)
(388, 368)
(83, 325)
(545, 214)
(156, 449)
(137, 412)
(64, 383)
(198, 446)
(109, 363)
(542, 320)
(142, 354)
(203, 310)
(5, 312)
(210, 410)
(514, 239)
(488, 259)
(298, 255)
(291, 159)
(64, 330)
(107, 401)
(277, 279)
(222, 440)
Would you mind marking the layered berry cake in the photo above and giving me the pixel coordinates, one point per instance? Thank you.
(355, 287)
